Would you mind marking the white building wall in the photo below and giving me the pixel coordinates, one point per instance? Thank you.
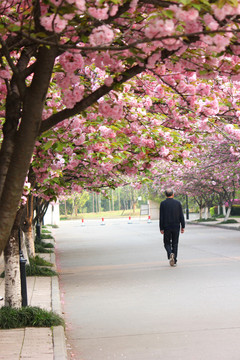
(52, 216)
(154, 209)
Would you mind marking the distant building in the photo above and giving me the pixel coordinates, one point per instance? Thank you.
(52, 216)
(153, 209)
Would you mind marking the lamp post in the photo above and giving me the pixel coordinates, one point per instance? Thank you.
(22, 273)
(187, 209)
(38, 226)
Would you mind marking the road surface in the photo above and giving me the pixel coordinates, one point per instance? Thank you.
(122, 300)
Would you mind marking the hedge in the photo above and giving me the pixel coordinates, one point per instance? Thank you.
(235, 211)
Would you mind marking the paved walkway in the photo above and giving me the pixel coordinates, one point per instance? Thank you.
(132, 305)
(45, 343)
(36, 343)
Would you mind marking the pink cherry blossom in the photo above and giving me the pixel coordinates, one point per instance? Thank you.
(108, 81)
(99, 13)
(164, 151)
(53, 23)
(80, 140)
(71, 61)
(81, 4)
(159, 27)
(114, 10)
(102, 35)
(5, 74)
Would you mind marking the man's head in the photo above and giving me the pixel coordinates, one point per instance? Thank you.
(169, 193)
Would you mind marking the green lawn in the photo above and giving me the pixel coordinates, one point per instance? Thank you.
(104, 214)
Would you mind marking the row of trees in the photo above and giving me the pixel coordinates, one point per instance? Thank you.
(211, 179)
(123, 198)
(93, 93)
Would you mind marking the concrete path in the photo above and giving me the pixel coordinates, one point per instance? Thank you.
(36, 343)
(123, 300)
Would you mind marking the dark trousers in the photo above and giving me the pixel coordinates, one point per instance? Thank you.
(170, 239)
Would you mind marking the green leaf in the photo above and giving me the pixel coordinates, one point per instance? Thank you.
(197, 6)
(205, 2)
(59, 147)
(47, 145)
(186, 2)
(84, 38)
(14, 28)
(40, 35)
(168, 13)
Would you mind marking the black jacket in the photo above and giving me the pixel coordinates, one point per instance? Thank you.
(171, 215)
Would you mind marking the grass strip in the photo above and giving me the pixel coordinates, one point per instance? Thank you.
(11, 318)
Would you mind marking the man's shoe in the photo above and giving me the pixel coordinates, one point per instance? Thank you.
(172, 260)
(1, 298)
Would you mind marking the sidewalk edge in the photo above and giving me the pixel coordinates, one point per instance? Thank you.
(59, 343)
(215, 225)
(59, 339)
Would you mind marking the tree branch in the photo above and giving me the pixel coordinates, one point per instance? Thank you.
(89, 100)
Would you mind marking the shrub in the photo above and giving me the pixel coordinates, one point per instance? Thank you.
(11, 318)
(35, 270)
(42, 247)
(46, 236)
(47, 245)
(212, 211)
(205, 220)
(215, 211)
(39, 248)
(235, 211)
(37, 260)
(229, 221)
(46, 231)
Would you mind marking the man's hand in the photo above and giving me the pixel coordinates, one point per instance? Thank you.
(162, 232)
(182, 231)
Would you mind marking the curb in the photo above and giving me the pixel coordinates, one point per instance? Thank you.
(59, 343)
(58, 334)
(215, 225)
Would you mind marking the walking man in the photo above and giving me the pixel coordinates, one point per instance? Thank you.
(171, 216)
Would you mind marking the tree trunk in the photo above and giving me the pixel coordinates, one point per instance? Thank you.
(96, 203)
(224, 210)
(206, 213)
(113, 201)
(12, 296)
(29, 241)
(134, 207)
(24, 248)
(93, 207)
(99, 202)
(65, 204)
(228, 212)
(27, 227)
(24, 141)
(119, 201)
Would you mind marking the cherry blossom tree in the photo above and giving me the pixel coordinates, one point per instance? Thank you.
(210, 176)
